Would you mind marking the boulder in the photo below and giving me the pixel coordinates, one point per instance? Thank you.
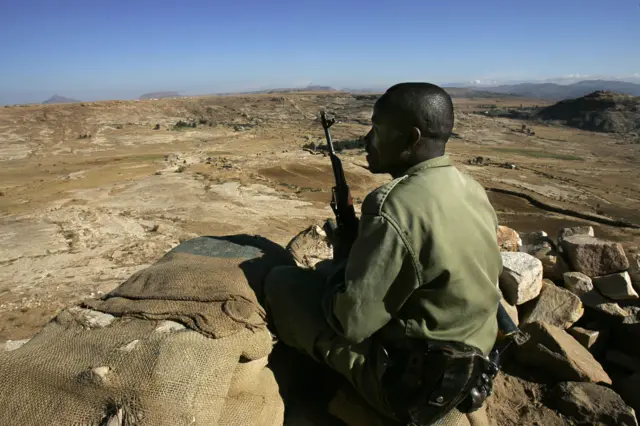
(521, 278)
(616, 286)
(511, 310)
(594, 257)
(553, 266)
(536, 243)
(576, 230)
(558, 354)
(627, 388)
(626, 337)
(594, 300)
(634, 271)
(577, 283)
(592, 404)
(554, 305)
(508, 239)
(624, 360)
(585, 337)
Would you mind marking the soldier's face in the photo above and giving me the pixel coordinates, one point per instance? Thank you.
(383, 144)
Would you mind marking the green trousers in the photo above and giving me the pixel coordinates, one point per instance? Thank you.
(293, 301)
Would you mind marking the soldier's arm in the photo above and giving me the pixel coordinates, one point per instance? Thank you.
(359, 307)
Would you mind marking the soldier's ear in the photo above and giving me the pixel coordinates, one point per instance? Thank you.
(414, 137)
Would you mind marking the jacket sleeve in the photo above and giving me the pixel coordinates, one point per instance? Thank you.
(356, 308)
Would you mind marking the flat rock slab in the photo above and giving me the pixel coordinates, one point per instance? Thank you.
(576, 230)
(521, 279)
(554, 305)
(508, 239)
(592, 404)
(577, 283)
(594, 257)
(616, 286)
(558, 354)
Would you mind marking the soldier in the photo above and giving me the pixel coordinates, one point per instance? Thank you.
(406, 316)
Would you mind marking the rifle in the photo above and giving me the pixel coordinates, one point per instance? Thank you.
(346, 228)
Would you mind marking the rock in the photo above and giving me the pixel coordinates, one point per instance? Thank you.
(558, 354)
(628, 389)
(508, 239)
(616, 286)
(310, 247)
(130, 346)
(169, 327)
(90, 318)
(553, 267)
(554, 305)
(592, 404)
(511, 310)
(598, 302)
(536, 244)
(594, 257)
(577, 283)
(586, 338)
(629, 362)
(634, 271)
(625, 337)
(12, 345)
(521, 278)
(576, 230)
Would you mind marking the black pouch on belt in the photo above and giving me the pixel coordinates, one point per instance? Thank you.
(425, 383)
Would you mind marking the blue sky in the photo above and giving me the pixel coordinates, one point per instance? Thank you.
(110, 49)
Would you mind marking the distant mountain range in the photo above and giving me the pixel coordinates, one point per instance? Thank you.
(558, 92)
(55, 99)
(159, 95)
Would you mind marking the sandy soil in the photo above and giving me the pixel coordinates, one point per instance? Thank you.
(90, 193)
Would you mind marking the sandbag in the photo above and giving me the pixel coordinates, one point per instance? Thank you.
(181, 342)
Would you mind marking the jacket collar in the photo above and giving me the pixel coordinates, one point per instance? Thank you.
(442, 161)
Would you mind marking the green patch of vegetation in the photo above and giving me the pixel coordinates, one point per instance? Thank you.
(182, 125)
(540, 154)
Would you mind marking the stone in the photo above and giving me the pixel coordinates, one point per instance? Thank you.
(130, 346)
(558, 354)
(508, 239)
(594, 257)
(594, 300)
(536, 243)
(310, 247)
(634, 271)
(576, 230)
(592, 404)
(169, 327)
(90, 318)
(511, 310)
(627, 388)
(616, 286)
(12, 345)
(622, 359)
(577, 283)
(585, 337)
(554, 305)
(521, 278)
(625, 337)
(553, 267)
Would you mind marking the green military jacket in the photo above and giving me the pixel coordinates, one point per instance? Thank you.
(425, 264)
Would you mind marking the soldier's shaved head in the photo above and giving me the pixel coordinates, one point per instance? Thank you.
(422, 105)
(412, 123)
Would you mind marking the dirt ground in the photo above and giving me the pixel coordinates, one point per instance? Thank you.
(90, 192)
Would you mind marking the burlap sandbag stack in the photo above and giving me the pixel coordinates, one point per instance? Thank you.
(182, 342)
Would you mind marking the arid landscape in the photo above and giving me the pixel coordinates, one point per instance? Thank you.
(93, 192)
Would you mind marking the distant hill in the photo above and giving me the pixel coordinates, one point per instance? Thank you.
(55, 99)
(554, 91)
(602, 111)
(159, 95)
